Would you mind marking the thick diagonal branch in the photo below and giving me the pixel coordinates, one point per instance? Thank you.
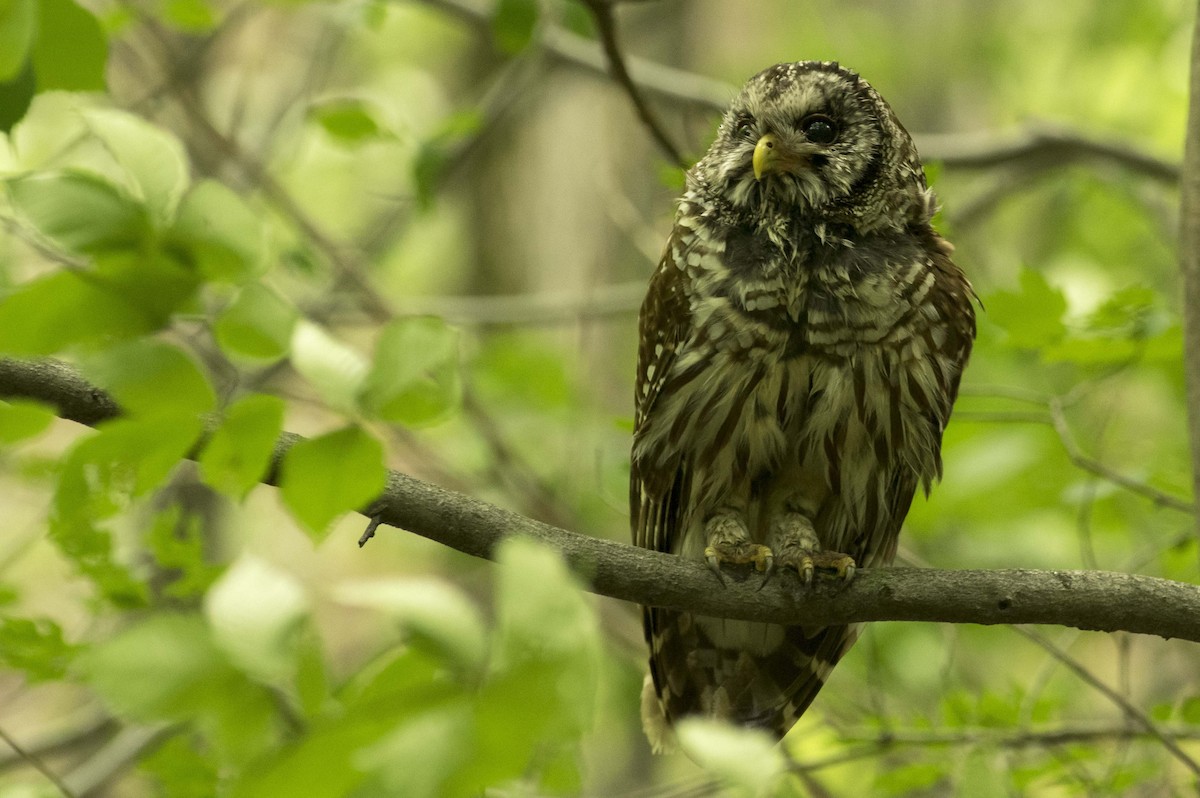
(1094, 600)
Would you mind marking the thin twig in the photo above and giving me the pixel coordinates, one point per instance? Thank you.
(1161, 498)
(606, 26)
(1129, 710)
(1041, 146)
(36, 763)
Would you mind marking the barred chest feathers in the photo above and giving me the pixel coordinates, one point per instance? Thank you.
(799, 348)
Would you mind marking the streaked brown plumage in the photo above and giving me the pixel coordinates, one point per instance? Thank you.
(801, 348)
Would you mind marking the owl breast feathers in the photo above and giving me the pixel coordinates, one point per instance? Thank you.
(801, 348)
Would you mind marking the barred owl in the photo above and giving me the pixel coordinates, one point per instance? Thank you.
(801, 346)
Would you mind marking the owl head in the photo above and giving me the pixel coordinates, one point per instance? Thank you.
(813, 138)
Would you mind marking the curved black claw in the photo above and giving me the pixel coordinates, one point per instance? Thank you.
(714, 563)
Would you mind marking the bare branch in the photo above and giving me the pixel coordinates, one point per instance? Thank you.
(1131, 712)
(1093, 600)
(35, 761)
(607, 27)
(1038, 148)
(120, 754)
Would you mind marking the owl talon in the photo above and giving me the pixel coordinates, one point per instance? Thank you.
(807, 570)
(768, 569)
(714, 563)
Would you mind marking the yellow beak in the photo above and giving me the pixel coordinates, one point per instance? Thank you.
(771, 156)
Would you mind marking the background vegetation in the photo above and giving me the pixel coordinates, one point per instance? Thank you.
(417, 232)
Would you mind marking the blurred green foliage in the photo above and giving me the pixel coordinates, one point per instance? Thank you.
(415, 232)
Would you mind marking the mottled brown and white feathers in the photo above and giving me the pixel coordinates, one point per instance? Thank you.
(801, 347)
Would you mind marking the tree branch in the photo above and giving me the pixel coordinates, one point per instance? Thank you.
(1093, 600)
(606, 25)
(1038, 147)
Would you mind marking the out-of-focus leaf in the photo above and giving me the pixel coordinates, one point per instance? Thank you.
(909, 779)
(1031, 316)
(747, 759)
(258, 324)
(513, 23)
(333, 368)
(330, 475)
(255, 612)
(21, 419)
(16, 97)
(168, 668)
(414, 378)
(125, 298)
(222, 235)
(348, 120)
(35, 647)
(71, 50)
(176, 540)
(153, 159)
(515, 369)
(191, 16)
(150, 378)
(18, 25)
(179, 769)
(430, 608)
(80, 211)
(238, 453)
(126, 458)
(420, 755)
(326, 763)
(437, 152)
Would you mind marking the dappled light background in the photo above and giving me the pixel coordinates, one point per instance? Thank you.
(473, 162)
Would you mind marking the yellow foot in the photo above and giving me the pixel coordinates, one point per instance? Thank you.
(729, 543)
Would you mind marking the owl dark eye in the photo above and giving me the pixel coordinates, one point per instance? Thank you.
(819, 129)
(744, 126)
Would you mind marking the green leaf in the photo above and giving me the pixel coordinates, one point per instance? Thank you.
(35, 647)
(258, 324)
(347, 120)
(22, 419)
(180, 769)
(333, 368)
(127, 296)
(437, 152)
(1032, 316)
(149, 378)
(743, 757)
(429, 608)
(177, 541)
(222, 235)
(515, 369)
(18, 24)
(80, 211)
(153, 159)
(513, 23)
(255, 612)
(415, 376)
(239, 452)
(16, 97)
(190, 16)
(71, 49)
(168, 668)
(125, 459)
(330, 475)
(420, 755)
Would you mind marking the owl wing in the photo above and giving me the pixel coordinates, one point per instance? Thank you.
(658, 482)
